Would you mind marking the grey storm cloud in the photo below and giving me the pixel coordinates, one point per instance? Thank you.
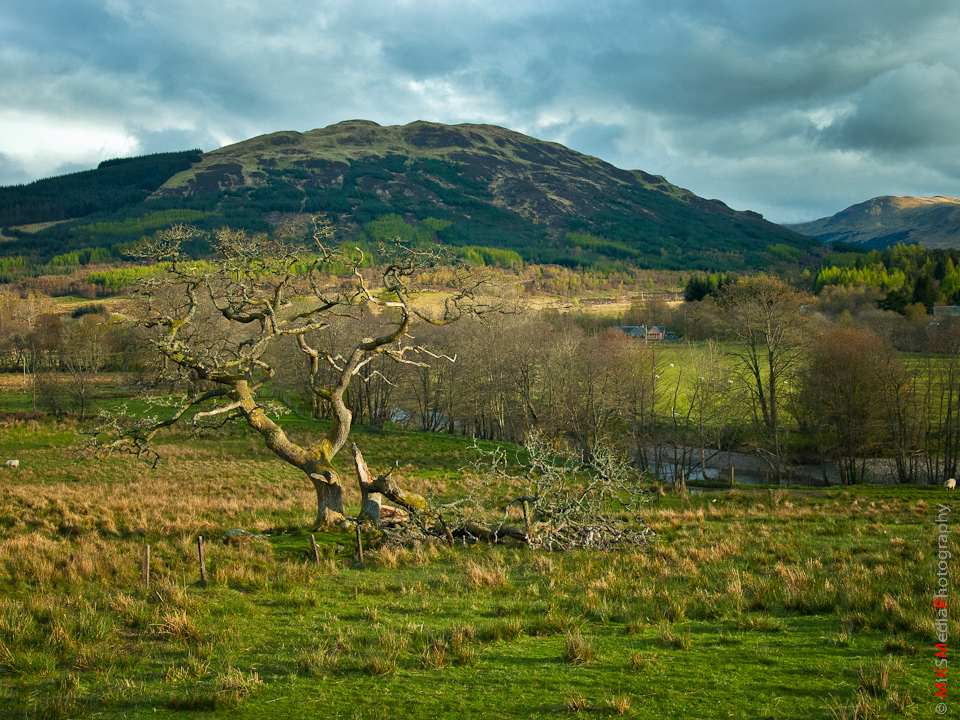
(794, 108)
(908, 109)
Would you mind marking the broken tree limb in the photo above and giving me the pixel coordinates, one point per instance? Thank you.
(429, 519)
(370, 504)
(384, 485)
(478, 533)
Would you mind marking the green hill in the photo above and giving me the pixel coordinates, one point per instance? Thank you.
(467, 185)
(888, 220)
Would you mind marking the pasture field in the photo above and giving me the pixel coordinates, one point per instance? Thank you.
(752, 603)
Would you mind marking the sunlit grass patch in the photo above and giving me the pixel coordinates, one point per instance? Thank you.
(808, 581)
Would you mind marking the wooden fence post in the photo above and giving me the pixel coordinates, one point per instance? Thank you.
(316, 552)
(203, 567)
(145, 567)
(731, 476)
(359, 544)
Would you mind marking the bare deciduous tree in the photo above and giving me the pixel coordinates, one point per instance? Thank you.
(86, 347)
(943, 383)
(213, 324)
(711, 400)
(765, 318)
(843, 384)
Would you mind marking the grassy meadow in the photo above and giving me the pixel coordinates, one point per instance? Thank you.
(752, 603)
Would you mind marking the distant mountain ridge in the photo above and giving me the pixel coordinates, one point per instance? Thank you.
(477, 185)
(497, 187)
(887, 220)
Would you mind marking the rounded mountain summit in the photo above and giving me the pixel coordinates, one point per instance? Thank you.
(488, 186)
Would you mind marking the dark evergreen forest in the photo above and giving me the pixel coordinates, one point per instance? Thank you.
(114, 185)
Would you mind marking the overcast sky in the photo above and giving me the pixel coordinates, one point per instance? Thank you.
(793, 108)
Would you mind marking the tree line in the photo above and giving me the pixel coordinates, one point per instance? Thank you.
(789, 377)
(114, 185)
(912, 278)
(62, 359)
(777, 378)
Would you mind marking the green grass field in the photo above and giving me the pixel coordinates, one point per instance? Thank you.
(753, 603)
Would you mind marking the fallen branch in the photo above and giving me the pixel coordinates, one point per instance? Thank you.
(562, 511)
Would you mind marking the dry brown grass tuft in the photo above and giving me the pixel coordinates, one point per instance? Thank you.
(863, 707)
(478, 576)
(233, 685)
(576, 703)
(718, 550)
(619, 704)
(177, 626)
(794, 580)
(640, 661)
(434, 655)
(318, 662)
(578, 650)
(890, 605)
(666, 637)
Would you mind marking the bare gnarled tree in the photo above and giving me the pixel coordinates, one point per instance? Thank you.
(213, 323)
